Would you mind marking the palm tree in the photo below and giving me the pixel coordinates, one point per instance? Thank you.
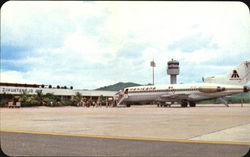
(101, 99)
(77, 98)
(3, 99)
(24, 98)
(89, 102)
(51, 100)
(32, 100)
(39, 97)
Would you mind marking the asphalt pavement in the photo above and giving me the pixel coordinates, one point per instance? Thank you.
(27, 144)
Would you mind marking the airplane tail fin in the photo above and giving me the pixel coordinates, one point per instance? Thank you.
(240, 75)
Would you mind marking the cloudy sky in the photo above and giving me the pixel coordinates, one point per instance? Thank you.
(92, 44)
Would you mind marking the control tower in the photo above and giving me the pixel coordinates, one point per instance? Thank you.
(173, 70)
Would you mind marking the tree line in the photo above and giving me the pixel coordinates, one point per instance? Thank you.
(48, 99)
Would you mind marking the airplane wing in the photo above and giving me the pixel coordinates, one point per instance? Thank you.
(175, 96)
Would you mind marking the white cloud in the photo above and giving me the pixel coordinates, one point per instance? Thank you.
(15, 77)
(92, 44)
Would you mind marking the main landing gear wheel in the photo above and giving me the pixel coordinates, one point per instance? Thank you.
(192, 104)
(128, 105)
(184, 104)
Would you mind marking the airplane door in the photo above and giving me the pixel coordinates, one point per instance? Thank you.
(126, 91)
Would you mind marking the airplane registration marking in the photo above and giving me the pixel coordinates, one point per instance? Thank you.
(129, 138)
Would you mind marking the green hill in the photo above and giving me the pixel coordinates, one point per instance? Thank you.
(118, 86)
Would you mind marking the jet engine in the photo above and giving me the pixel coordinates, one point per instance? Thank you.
(246, 89)
(211, 89)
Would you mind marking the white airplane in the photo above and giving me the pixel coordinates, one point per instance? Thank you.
(213, 87)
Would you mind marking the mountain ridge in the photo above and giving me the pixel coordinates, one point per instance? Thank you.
(118, 86)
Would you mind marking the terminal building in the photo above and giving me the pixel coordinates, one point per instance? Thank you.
(10, 90)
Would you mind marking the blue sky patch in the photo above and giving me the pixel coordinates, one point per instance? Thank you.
(10, 52)
(12, 66)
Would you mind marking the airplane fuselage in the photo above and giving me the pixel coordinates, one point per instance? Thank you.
(181, 92)
(213, 87)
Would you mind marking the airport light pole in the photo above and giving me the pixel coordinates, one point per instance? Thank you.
(152, 64)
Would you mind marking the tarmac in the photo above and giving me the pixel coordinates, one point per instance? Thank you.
(204, 124)
(27, 144)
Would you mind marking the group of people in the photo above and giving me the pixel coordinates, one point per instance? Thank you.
(97, 103)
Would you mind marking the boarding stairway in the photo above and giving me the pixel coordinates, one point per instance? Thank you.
(121, 98)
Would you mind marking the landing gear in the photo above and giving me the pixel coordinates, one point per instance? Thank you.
(184, 104)
(192, 104)
(164, 104)
(128, 105)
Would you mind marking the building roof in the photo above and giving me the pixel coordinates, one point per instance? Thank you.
(20, 84)
(15, 90)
